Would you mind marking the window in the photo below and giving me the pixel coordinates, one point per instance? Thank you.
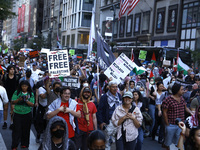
(83, 38)
(115, 28)
(68, 40)
(86, 19)
(145, 22)
(63, 40)
(137, 24)
(122, 27)
(73, 40)
(129, 25)
(191, 15)
(160, 20)
(87, 5)
(172, 18)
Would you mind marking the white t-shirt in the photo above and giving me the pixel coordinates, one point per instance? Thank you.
(35, 75)
(3, 98)
(42, 102)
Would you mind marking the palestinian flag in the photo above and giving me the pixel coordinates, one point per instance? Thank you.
(182, 67)
(151, 74)
(153, 58)
(139, 69)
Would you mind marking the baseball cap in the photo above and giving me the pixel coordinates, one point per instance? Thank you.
(34, 64)
(128, 94)
(87, 89)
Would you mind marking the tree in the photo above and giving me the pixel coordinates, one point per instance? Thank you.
(196, 56)
(5, 9)
(37, 42)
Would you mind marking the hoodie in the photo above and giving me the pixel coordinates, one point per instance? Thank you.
(46, 143)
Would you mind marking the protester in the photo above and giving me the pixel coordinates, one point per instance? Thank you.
(66, 108)
(23, 98)
(160, 95)
(108, 103)
(3, 99)
(96, 140)
(88, 122)
(173, 107)
(140, 103)
(127, 118)
(28, 78)
(56, 136)
(11, 82)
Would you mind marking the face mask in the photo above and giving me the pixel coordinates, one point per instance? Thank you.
(87, 70)
(85, 84)
(44, 65)
(58, 133)
(58, 89)
(173, 82)
(151, 82)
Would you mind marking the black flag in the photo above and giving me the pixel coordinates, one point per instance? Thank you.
(104, 54)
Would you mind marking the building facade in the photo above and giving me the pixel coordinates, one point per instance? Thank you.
(76, 21)
(172, 23)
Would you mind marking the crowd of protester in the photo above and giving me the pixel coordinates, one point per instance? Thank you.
(100, 114)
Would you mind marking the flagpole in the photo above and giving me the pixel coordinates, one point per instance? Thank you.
(98, 81)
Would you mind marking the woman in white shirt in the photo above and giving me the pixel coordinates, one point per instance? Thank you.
(3, 99)
(127, 118)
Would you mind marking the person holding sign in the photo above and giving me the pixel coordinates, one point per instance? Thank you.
(66, 108)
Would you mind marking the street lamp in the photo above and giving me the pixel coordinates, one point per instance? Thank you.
(113, 8)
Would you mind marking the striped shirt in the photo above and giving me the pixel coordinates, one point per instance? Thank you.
(175, 109)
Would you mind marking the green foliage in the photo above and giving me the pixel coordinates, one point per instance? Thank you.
(196, 56)
(5, 9)
(37, 42)
(19, 43)
(3, 46)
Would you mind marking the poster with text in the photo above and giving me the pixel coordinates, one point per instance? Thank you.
(72, 82)
(120, 68)
(58, 63)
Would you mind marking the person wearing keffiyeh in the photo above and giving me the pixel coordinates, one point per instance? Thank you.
(88, 122)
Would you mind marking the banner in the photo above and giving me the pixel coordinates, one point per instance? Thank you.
(19, 20)
(72, 52)
(104, 54)
(58, 63)
(120, 68)
(22, 18)
(142, 55)
(72, 82)
(33, 54)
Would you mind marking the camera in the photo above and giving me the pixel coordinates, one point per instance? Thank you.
(23, 97)
(177, 121)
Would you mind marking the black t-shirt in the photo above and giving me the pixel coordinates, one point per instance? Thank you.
(10, 85)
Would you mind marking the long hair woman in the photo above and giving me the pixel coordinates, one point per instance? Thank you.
(23, 99)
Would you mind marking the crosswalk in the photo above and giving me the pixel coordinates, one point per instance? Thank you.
(3, 146)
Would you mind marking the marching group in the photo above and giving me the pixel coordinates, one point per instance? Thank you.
(100, 114)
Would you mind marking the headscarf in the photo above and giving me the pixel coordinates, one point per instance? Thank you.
(46, 144)
(85, 107)
(195, 118)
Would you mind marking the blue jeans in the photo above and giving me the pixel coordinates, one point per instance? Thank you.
(172, 133)
(122, 145)
(1, 115)
(152, 109)
(140, 139)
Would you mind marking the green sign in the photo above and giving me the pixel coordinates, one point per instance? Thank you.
(142, 55)
(72, 52)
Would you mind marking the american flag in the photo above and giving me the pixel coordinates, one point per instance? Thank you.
(127, 5)
(124, 5)
(132, 4)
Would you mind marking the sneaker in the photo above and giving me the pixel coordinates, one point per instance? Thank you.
(4, 125)
(11, 126)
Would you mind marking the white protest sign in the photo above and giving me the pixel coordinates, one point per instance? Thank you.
(166, 81)
(58, 63)
(120, 68)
